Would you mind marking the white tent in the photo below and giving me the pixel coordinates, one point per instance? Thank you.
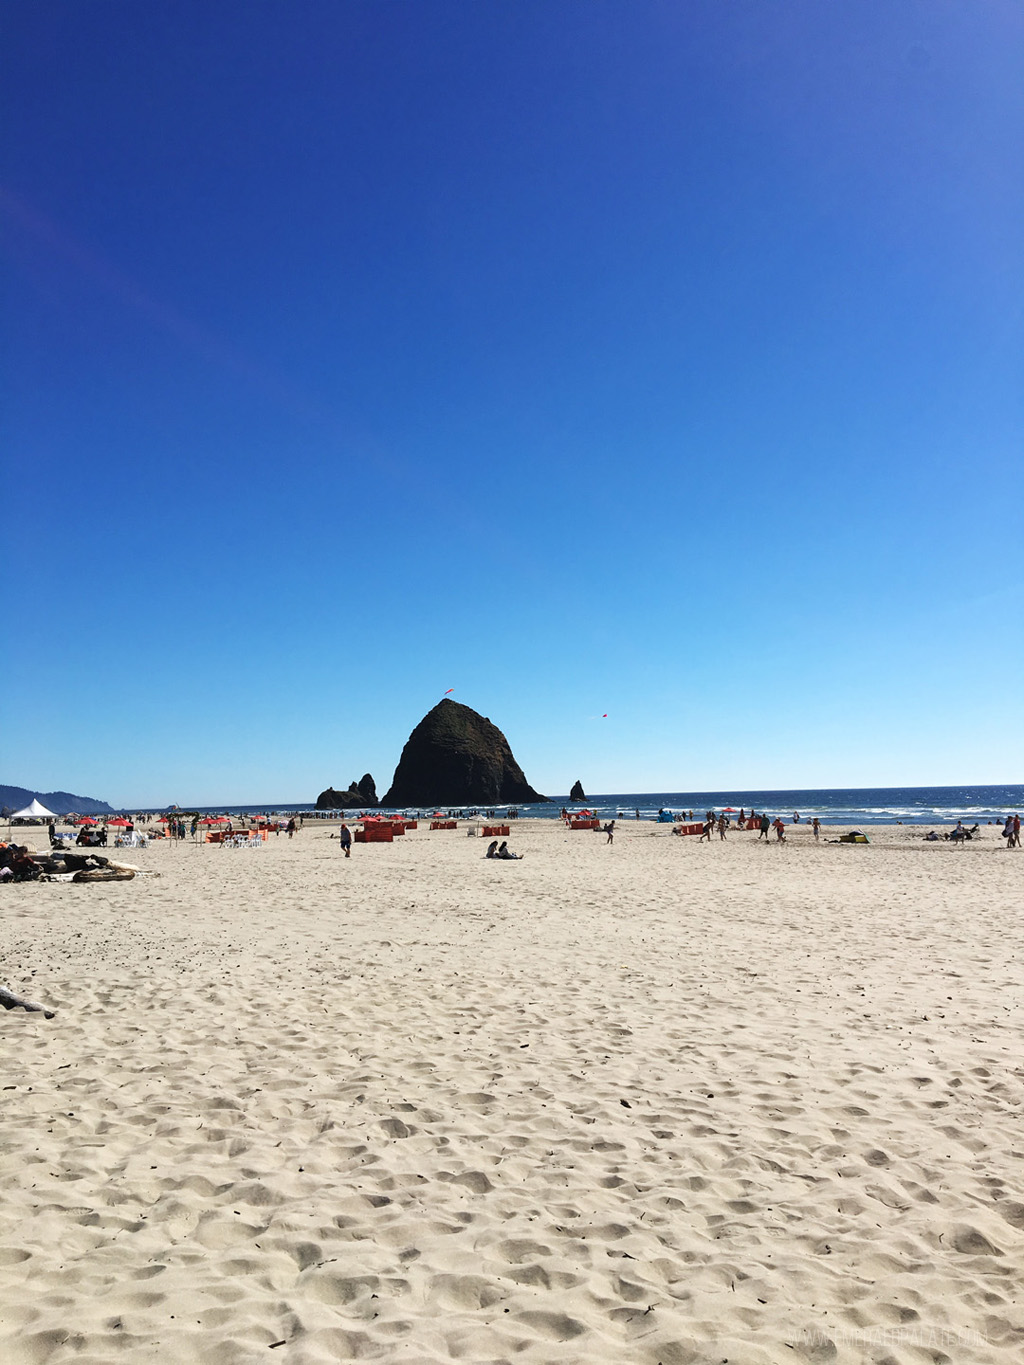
(34, 811)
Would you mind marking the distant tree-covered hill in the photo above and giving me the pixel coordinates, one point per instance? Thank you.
(15, 798)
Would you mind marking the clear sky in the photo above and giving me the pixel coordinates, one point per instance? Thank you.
(637, 357)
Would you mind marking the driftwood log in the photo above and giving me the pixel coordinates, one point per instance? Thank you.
(14, 1002)
(110, 873)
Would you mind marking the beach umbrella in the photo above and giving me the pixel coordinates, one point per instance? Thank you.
(118, 821)
(88, 820)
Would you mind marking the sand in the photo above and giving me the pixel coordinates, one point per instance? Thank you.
(659, 1102)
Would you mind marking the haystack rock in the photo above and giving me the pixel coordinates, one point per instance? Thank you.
(577, 793)
(359, 796)
(456, 757)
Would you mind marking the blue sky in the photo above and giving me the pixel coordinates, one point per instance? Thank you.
(652, 359)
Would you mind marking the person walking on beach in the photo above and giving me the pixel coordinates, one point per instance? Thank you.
(723, 825)
(764, 827)
(291, 828)
(1015, 835)
(345, 835)
(780, 829)
(609, 829)
(816, 826)
(705, 832)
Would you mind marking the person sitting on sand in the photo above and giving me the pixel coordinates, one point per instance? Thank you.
(492, 849)
(505, 852)
(23, 869)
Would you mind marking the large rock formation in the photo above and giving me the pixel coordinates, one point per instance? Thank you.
(360, 796)
(456, 757)
(577, 793)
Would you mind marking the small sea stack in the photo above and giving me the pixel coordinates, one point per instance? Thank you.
(577, 793)
(361, 795)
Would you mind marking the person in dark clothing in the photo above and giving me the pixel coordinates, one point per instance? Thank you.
(492, 849)
(505, 852)
(345, 835)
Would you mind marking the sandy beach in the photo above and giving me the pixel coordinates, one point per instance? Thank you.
(655, 1102)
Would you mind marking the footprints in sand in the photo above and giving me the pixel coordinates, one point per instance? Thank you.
(612, 1120)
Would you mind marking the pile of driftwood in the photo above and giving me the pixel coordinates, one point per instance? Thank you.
(65, 866)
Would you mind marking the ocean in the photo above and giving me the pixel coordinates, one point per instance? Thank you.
(832, 805)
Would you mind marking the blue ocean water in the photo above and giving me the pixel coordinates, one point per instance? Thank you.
(832, 805)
